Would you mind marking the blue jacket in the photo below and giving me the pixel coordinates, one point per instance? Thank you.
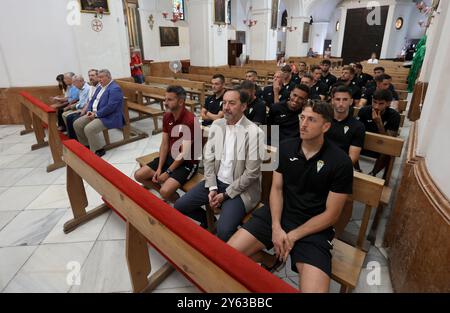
(110, 106)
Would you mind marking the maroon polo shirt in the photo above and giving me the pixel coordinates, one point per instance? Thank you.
(187, 119)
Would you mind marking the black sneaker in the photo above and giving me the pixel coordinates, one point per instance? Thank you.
(100, 152)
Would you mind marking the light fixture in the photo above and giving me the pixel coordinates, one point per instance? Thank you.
(399, 23)
(338, 26)
(250, 23)
(175, 16)
(288, 28)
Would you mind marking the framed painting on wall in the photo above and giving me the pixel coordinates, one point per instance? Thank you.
(90, 6)
(168, 36)
(219, 11)
(306, 27)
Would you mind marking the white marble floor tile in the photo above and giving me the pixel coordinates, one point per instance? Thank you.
(50, 268)
(86, 232)
(30, 160)
(6, 159)
(123, 156)
(114, 229)
(39, 176)
(18, 148)
(6, 217)
(136, 145)
(29, 227)
(105, 269)
(3, 189)
(9, 177)
(54, 197)
(191, 289)
(11, 260)
(18, 198)
(371, 275)
(126, 168)
(94, 198)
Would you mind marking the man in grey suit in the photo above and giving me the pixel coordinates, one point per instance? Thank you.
(232, 162)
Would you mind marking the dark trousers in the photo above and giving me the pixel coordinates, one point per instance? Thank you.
(139, 79)
(231, 214)
(70, 130)
(60, 118)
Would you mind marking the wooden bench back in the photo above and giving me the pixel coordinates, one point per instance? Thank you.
(196, 85)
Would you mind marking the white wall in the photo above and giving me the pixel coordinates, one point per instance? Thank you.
(263, 39)
(150, 38)
(43, 45)
(4, 75)
(318, 35)
(433, 140)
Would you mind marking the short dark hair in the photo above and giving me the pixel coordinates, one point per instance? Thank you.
(359, 65)
(93, 70)
(327, 62)
(382, 77)
(308, 75)
(303, 63)
(341, 88)
(321, 107)
(243, 96)
(315, 67)
(178, 90)
(253, 72)
(220, 77)
(379, 68)
(286, 69)
(248, 85)
(303, 87)
(350, 69)
(383, 95)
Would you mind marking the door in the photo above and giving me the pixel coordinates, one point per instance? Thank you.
(234, 51)
(360, 38)
(132, 21)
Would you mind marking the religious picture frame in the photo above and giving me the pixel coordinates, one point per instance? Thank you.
(220, 12)
(92, 6)
(306, 28)
(169, 36)
(274, 21)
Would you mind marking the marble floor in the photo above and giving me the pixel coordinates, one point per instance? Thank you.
(36, 256)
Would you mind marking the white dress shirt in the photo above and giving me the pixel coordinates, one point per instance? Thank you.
(97, 99)
(225, 174)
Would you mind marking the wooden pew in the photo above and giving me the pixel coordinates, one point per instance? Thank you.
(347, 260)
(196, 88)
(209, 263)
(36, 112)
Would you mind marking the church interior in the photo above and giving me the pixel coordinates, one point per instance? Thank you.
(84, 207)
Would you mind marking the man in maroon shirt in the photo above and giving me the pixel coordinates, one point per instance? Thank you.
(178, 160)
(136, 66)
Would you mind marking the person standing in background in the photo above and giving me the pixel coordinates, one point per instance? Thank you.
(136, 66)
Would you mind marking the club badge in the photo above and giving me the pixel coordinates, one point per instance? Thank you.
(346, 128)
(320, 164)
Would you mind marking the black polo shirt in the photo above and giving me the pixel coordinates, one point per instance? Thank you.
(372, 86)
(390, 119)
(295, 79)
(285, 93)
(259, 92)
(256, 112)
(346, 133)
(287, 120)
(307, 183)
(214, 106)
(354, 89)
(320, 88)
(329, 80)
(362, 79)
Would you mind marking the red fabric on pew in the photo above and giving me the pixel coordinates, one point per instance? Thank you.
(240, 267)
(44, 107)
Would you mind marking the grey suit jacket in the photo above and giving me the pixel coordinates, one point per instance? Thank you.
(249, 152)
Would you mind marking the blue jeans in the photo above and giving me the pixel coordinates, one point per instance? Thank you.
(231, 214)
(139, 79)
(70, 130)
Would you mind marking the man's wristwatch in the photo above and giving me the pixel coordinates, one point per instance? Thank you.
(168, 171)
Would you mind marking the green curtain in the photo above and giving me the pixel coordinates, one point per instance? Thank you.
(417, 63)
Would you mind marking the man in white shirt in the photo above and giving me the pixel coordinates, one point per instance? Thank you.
(232, 164)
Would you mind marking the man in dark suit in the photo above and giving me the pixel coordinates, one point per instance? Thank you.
(105, 111)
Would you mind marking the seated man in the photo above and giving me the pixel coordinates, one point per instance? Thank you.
(71, 118)
(361, 78)
(318, 89)
(383, 82)
(295, 74)
(256, 109)
(381, 119)
(213, 104)
(327, 78)
(308, 80)
(173, 168)
(105, 111)
(309, 189)
(232, 169)
(285, 113)
(252, 76)
(59, 103)
(84, 88)
(348, 79)
(268, 91)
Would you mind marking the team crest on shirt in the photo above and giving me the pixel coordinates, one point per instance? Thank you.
(250, 111)
(320, 164)
(346, 128)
